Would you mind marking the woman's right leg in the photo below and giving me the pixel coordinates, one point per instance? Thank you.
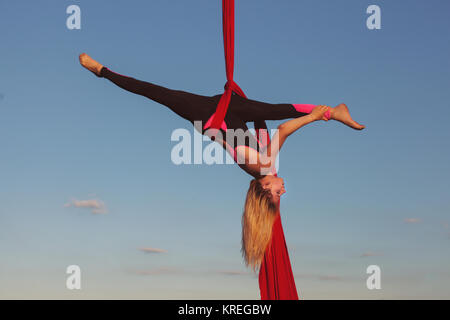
(187, 105)
(178, 101)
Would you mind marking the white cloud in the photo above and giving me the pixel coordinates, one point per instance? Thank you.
(153, 250)
(97, 206)
(155, 271)
(370, 254)
(412, 220)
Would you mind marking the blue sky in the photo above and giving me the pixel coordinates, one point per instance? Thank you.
(353, 198)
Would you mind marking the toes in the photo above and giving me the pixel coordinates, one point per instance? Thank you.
(83, 58)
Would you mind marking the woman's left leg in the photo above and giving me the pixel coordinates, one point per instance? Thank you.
(252, 110)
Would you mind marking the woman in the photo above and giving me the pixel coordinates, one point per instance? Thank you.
(262, 202)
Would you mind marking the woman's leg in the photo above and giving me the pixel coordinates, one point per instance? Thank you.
(178, 101)
(187, 105)
(253, 110)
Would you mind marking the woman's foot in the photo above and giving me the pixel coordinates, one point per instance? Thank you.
(340, 113)
(90, 64)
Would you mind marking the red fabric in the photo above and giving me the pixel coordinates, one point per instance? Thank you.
(276, 281)
(230, 86)
(275, 277)
(228, 44)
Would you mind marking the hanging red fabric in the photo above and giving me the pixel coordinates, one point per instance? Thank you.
(228, 44)
(231, 86)
(276, 281)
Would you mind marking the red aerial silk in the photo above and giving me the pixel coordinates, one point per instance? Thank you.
(230, 85)
(228, 44)
(275, 276)
(276, 281)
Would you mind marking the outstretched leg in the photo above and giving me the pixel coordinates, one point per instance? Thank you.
(339, 113)
(186, 105)
(252, 110)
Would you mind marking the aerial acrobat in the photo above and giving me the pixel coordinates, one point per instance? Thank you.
(261, 207)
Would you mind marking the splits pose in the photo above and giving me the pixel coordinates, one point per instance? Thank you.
(263, 197)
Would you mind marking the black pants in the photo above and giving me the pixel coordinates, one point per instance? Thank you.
(193, 107)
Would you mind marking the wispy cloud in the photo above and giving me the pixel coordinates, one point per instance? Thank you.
(155, 271)
(97, 206)
(370, 254)
(412, 220)
(153, 250)
(174, 270)
(2, 96)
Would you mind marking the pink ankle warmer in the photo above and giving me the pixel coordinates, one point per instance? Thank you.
(307, 108)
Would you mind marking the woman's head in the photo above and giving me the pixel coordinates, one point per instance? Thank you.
(275, 185)
(260, 209)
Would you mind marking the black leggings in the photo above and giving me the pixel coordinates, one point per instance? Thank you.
(193, 107)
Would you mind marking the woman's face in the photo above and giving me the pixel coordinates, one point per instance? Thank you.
(276, 186)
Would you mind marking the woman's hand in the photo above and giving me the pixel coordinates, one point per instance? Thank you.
(318, 113)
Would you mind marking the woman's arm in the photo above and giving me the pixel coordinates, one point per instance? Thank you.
(264, 161)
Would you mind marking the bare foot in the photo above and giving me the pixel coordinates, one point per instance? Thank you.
(90, 64)
(340, 113)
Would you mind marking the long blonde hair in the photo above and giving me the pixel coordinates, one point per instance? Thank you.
(257, 221)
